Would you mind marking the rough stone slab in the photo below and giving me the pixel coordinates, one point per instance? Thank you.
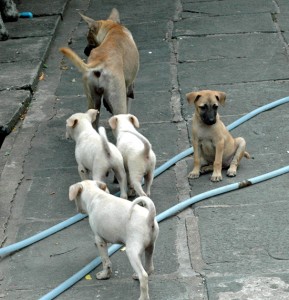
(231, 71)
(43, 8)
(35, 27)
(149, 31)
(282, 20)
(252, 45)
(159, 288)
(251, 239)
(22, 75)
(268, 286)
(229, 7)
(29, 49)
(153, 76)
(286, 37)
(283, 5)
(13, 105)
(224, 25)
(159, 101)
(139, 10)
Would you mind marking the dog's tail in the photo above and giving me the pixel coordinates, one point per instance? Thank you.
(147, 144)
(247, 155)
(104, 140)
(149, 205)
(76, 60)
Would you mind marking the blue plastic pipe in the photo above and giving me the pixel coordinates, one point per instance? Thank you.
(164, 215)
(41, 235)
(158, 171)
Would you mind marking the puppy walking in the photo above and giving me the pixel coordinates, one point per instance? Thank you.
(139, 158)
(117, 220)
(214, 146)
(93, 152)
(111, 67)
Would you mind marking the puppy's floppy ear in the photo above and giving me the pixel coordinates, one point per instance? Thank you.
(114, 16)
(71, 122)
(221, 97)
(101, 185)
(88, 20)
(134, 120)
(192, 97)
(74, 190)
(92, 113)
(113, 122)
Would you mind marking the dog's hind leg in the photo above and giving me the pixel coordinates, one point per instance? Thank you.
(136, 184)
(149, 265)
(106, 263)
(240, 152)
(82, 171)
(115, 94)
(122, 180)
(148, 182)
(93, 96)
(134, 256)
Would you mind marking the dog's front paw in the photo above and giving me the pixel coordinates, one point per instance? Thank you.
(231, 173)
(194, 175)
(216, 177)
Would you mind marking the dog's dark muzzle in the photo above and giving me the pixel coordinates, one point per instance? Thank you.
(209, 116)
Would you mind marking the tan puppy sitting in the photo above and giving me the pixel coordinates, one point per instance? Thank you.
(111, 66)
(93, 152)
(115, 220)
(214, 146)
(138, 156)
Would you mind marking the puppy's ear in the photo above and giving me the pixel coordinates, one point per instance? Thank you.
(113, 122)
(114, 16)
(221, 97)
(74, 190)
(92, 113)
(101, 185)
(71, 122)
(192, 97)
(134, 120)
(88, 20)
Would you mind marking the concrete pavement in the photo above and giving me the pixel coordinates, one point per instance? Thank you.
(233, 246)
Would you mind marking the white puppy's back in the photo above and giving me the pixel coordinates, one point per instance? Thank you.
(123, 220)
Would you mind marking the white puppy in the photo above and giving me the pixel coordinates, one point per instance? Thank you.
(116, 220)
(139, 158)
(93, 152)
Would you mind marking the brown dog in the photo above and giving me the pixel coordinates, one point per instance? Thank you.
(214, 147)
(111, 67)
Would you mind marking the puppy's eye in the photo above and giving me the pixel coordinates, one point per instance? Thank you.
(215, 107)
(204, 107)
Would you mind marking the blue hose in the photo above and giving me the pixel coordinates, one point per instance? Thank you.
(164, 215)
(158, 171)
(41, 235)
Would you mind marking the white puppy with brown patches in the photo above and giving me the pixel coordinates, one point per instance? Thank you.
(93, 152)
(138, 156)
(115, 220)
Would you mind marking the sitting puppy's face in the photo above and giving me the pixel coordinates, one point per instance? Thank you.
(206, 104)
